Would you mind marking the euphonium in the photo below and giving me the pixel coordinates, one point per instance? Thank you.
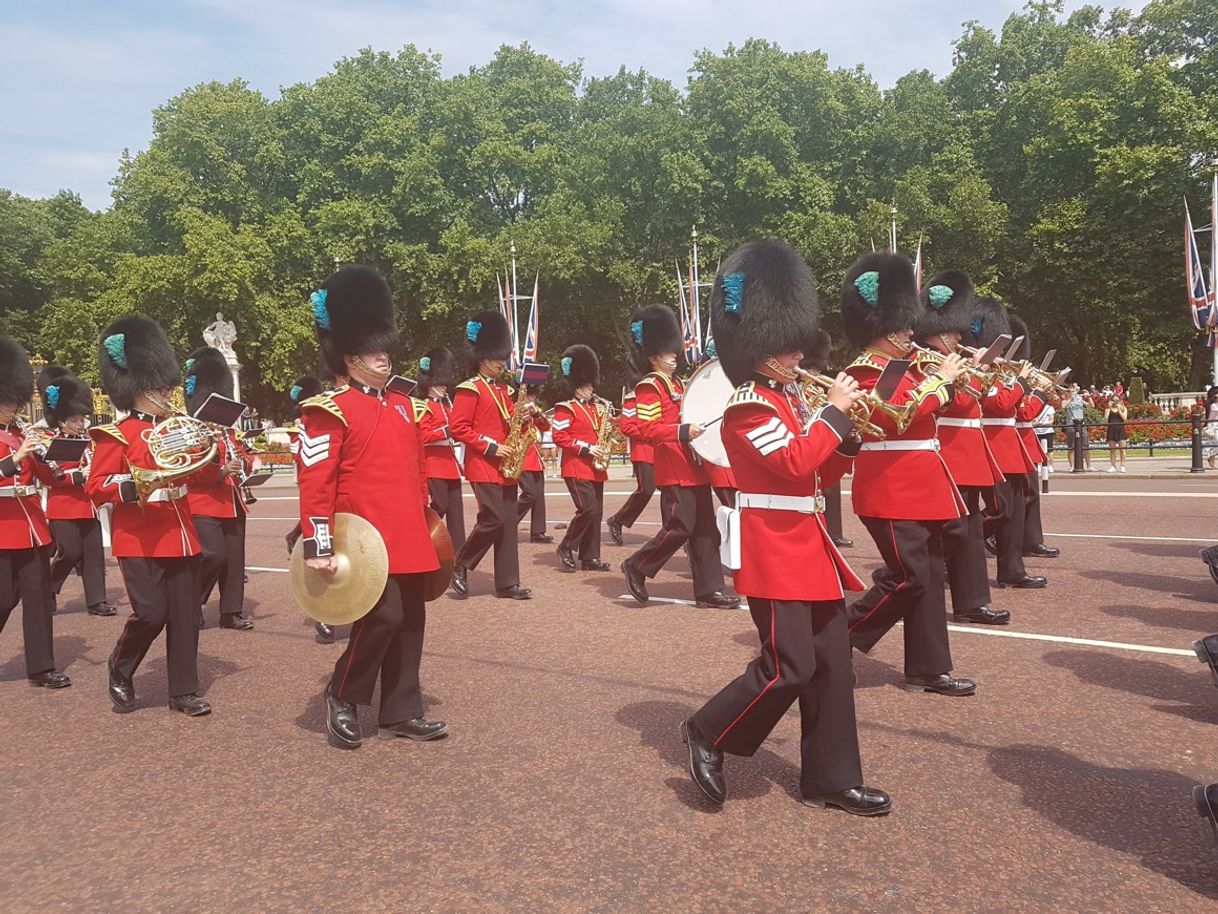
(815, 387)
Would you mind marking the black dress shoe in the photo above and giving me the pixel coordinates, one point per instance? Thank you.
(1206, 798)
(102, 609)
(593, 565)
(566, 557)
(843, 543)
(1210, 557)
(615, 530)
(515, 592)
(189, 704)
(291, 537)
(420, 730)
(122, 692)
(717, 600)
(50, 679)
(1207, 652)
(236, 621)
(342, 721)
(459, 583)
(991, 546)
(324, 631)
(943, 684)
(635, 582)
(541, 538)
(1042, 551)
(705, 763)
(983, 615)
(858, 801)
(1028, 581)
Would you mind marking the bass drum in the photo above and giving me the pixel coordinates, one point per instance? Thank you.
(704, 402)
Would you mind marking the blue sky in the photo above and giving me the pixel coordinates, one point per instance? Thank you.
(81, 78)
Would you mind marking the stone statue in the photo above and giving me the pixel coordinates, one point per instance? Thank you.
(222, 335)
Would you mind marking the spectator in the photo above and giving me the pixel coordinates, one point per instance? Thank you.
(1210, 432)
(1119, 390)
(1046, 432)
(1076, 410)
(1118, 414)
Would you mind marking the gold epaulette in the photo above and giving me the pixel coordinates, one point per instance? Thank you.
(471, 384)
(746, 393)
(649, 379)
(327, 402)
(112, 430)
(420, 408)
(865, 360)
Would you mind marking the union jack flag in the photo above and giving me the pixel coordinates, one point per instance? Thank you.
(531, 332)
(1201, 302)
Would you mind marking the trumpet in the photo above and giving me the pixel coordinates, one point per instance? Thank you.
(814, 389)
(1041, 381)
(928, 360)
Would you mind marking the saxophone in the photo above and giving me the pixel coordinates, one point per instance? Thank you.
(519, 439)
(608, 435)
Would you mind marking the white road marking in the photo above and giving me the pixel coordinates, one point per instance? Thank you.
(1118, 536)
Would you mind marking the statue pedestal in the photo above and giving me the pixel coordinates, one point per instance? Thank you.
(235, 367)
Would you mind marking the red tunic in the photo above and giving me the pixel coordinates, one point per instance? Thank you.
(1030, 407)
(532, 458)
(998, 418)
(23, 525)
(962, 442)
(903, 477)
(640, 451)
(577, 425)
(658, 413)
(212, 494)
(439, 453)
(360, 453)
(721, 477)
(163, 528)
(482, 411)
(786, 554)
(66, 495)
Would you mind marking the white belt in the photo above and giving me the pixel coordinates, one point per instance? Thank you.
(18, 491)
(171, 494)
(1008, 422)
(959, 423)
(922, 444)
(804, 504)
(1025, 424)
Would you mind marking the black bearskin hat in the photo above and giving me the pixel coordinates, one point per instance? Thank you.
(989, 321)
(1020, 328)
(134, 357)
(763, 303)
(947, 305)
(49, 373)
(580, 366)
(303, 389)
(16, 375)
(653, 330)
(207, 372)
(64, 397)
(437, 368)
(486, 338)
(879, 297)
(816, 358)
(353, 314)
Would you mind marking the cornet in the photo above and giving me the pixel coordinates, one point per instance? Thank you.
(814, 388)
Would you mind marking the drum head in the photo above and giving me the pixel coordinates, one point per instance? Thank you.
(704, 402)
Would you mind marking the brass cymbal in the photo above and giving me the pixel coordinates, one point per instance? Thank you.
(351, 592)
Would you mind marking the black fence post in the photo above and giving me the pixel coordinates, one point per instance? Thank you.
(1079, 431)
(1197, 466)
(1150, 442)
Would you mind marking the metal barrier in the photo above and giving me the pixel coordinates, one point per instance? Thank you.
(1196, 424)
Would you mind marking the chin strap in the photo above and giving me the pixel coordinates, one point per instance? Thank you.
(372, 372)
(904, 346)
(786, 374)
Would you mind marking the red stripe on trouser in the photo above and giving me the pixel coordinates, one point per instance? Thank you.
(768, 685)
(123, 634)
(351, 656)
(895, 590)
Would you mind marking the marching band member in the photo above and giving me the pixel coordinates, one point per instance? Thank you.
(67, 403)
(482, 414)
(947, 303)
(763, 311)
(361, 453)
(305, 388)
(686, 503)
(156, 544)
(25, 537)
(437, 373)
(998, 409)
(216, 500)
(816, 360)
(532, 499)
(1030, 408)
(577, 427)
(642, 462)
(902, 490)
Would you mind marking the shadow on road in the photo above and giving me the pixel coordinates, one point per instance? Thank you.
(1165, 550)
(69, 649)
(1200, 621)
(1200, 589)
(1152, 678)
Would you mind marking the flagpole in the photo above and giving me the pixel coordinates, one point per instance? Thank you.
(515, 324)
(1214, 263)
(893, 213)
(696, 294)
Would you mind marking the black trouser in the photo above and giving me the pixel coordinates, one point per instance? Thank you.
(645, 487)
(688, 513)
(447, 500)
(1008, 534)
(164, 594)
(388, 642)
(223, 542)
(78, 544)
(584, 531)
(726, 496)
(911, 590)
(25, 576)
(494, 526)
(1033, 532)
(805, 656)
(532, 498)
(964, 552)
(833, 511)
